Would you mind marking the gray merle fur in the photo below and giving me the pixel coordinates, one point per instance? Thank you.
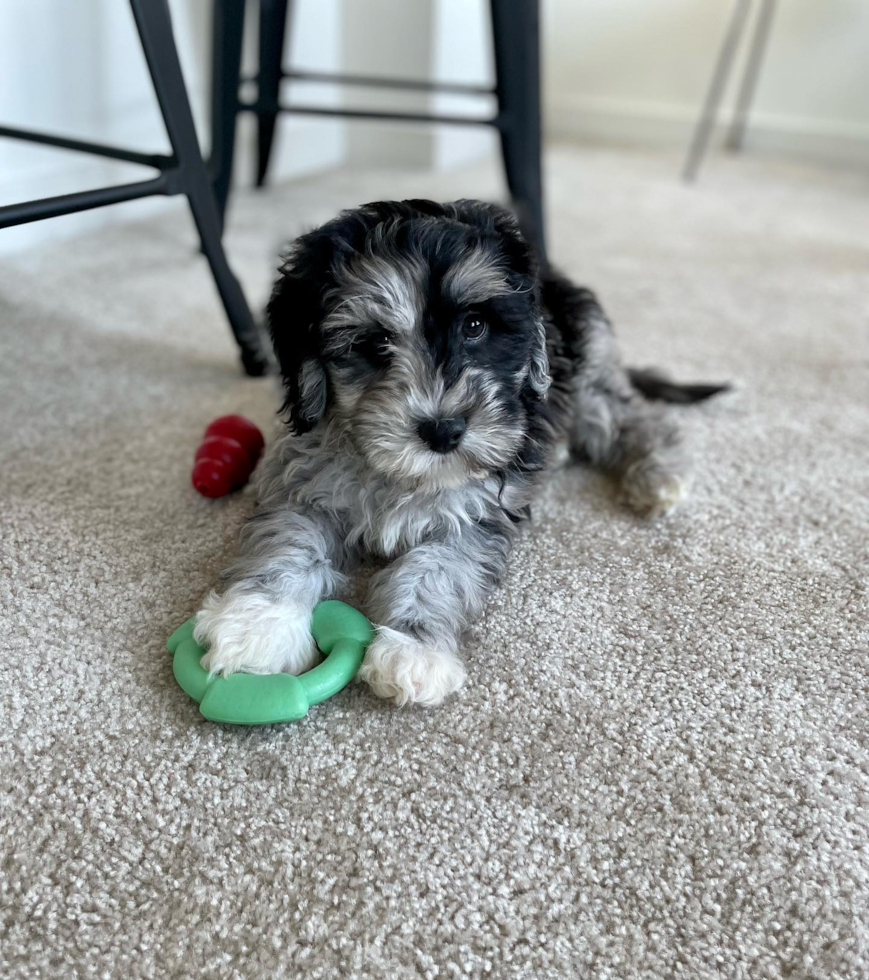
(431, 370)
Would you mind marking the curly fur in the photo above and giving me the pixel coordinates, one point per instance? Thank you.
(394, 325)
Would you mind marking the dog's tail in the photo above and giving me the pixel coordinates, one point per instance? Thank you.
(654, 386)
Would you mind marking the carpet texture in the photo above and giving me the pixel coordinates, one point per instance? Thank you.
(659, 766)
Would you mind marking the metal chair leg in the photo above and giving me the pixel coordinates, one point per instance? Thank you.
(723, 66)
(736, 136)
(516, 34)
(226, 41)
(155, 32)
(272, 28)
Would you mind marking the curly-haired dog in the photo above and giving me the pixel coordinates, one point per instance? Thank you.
(431, 369)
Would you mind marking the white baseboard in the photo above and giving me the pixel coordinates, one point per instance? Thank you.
(636, 123)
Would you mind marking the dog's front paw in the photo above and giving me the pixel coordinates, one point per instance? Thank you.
(251, 633)
(405, 670)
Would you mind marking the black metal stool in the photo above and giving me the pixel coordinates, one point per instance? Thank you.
(184, 172)
(516, 34)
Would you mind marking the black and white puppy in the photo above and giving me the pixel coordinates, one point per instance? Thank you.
(431, 370)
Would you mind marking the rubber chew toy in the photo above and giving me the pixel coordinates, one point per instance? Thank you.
(227, 455)
(341, 632)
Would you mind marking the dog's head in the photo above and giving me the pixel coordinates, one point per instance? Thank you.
(418, 325)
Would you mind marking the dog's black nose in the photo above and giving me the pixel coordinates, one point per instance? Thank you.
(442, 435)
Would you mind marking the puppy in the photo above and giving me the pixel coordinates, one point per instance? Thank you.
(431, 369)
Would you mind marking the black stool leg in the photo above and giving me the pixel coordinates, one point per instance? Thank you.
(272, 27)
(158, 43)
(226, 41)
(516, 33)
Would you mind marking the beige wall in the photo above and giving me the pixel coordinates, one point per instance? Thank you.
(632, 71)
(637, 70)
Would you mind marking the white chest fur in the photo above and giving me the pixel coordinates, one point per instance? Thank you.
(374, 512)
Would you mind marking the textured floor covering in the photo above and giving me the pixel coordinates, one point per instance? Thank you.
(659, 767)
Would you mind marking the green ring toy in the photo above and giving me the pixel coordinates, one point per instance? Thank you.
(341, 632)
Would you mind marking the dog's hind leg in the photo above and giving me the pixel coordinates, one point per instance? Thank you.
(638, 445)
(614, 424)
(617, 430)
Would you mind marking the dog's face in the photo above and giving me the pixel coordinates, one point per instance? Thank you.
(418, 325)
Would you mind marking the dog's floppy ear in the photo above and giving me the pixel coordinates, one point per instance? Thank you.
(296, 308)
(538, 372)
(294, 313)
(523, 262)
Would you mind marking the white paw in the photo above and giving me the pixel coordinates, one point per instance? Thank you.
(251, 633)
(654, 493)
(406, 670)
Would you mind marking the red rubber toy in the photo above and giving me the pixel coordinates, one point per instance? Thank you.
(227, 455)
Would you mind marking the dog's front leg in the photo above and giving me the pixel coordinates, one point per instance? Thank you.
(421, 603)
(260, 621)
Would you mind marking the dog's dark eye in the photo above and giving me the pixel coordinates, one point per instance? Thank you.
(373, 346)
(474, 326)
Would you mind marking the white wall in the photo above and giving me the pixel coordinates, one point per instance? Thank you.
(392, 39)
(77, 69)
(462, 52)
(637, 70)
(445, 40)
(627, 70)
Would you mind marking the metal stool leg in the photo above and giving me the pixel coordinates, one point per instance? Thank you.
(723, 66)
(736, 136)
(155, 31)
(228, 32)
(272, 28)
(516, 34)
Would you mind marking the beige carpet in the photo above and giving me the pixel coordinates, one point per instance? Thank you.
(659, 767)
